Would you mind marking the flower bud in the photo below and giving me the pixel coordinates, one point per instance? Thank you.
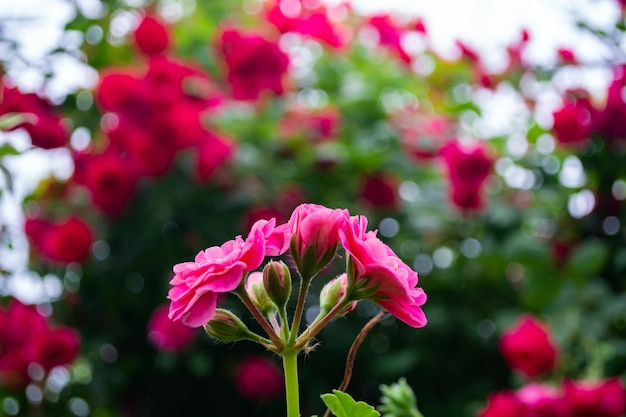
(257, 293)
(277, 282)
(332, 293)
(226, 327)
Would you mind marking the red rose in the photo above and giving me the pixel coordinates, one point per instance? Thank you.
(67, 241)
(54, 347)
(528, 348)
(151, 36)
(573, 122)
(380, 191)
(109, 179)
(468, 168)
(605, 398)
(253, 63)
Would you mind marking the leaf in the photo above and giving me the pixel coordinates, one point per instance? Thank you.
(11, 120)
(7, 149)
(343, 405)
(589, 258)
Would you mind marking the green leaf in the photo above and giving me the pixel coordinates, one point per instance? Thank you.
(589, 258)
(7, 149)
(398, 400)
(343, 405)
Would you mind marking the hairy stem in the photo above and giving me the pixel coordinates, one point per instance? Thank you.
(297, 315)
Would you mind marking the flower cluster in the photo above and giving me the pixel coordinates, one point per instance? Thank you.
(65, 240)
(578, 119)
(528, 348)
(598, 398)
(312, 235)
(151, 116)
(26, 338)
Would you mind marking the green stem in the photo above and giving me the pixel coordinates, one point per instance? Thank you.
(297, 315)
(290, 366)
(243, 296)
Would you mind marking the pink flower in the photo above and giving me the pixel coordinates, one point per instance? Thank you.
(528, 348)
(68, 240)
(259, 378)
(151, 36)
(220, 269)
(605, 398)
(377, 266)
(468, 168)
(315, 231)
(168, 335)
(542, 400)
(254, 64)
(389, 35)
(567, 56)
(611, 119)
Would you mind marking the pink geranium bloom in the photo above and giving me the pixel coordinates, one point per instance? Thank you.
(220, 269)
(394, 281)
(315, 231)
(389, 35)
(528, 347)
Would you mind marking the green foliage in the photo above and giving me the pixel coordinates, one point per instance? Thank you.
(398, 400)
(343, 405)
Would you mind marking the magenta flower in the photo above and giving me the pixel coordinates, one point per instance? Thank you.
(168, 335)
(603, 398)
(220, 269)
(259, 378)
(315, 237)
(375, 265)
(528, 348)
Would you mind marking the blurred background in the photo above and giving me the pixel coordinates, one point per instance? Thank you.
(483, 140)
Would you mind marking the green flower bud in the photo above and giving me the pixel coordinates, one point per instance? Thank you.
(227, 327)
(277, 282)
(332, 293)
(257, 293)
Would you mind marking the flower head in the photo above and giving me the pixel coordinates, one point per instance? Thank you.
(528, 348)
(375, 266)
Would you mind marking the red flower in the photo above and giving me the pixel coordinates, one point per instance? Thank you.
(567, 56)
(213, 151)
(606, 398)
(54, 347)
(109, 179)
(259, 378)
(528, 348)
(166, 334)
(468, 168)
(151, 36)
(573, 122)
(67, 241)
(611, 119)
(20, 325)
(389, 35)
(502, 404)
(380, 191)
(253, 63)
(313, 23)
(46, 129)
